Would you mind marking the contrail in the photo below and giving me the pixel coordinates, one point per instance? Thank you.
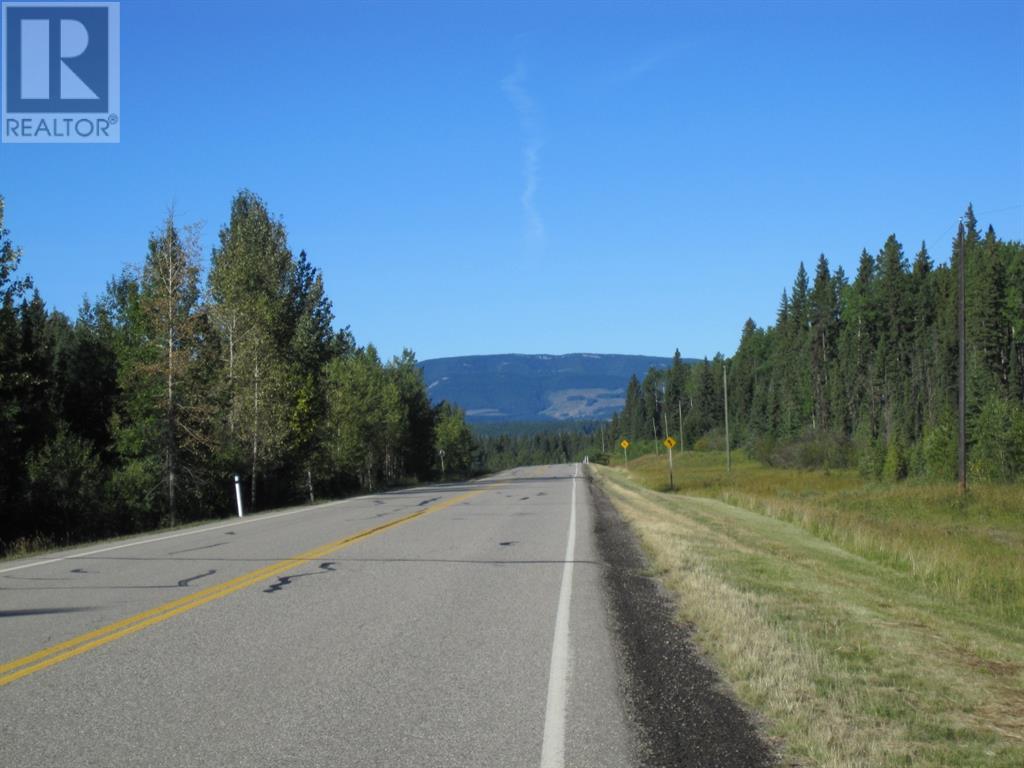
(515, 89)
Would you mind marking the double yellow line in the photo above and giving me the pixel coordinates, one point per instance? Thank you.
(55, 654)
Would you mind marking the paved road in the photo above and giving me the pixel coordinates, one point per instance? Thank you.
(460, 625)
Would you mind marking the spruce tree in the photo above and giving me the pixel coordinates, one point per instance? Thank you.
(824, 322)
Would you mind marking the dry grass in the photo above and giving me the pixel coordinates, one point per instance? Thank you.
(852, 662)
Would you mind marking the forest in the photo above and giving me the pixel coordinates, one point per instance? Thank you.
(139, 412)
(864, 372)
(518, 444)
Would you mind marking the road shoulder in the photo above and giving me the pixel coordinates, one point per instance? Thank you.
(683, 713)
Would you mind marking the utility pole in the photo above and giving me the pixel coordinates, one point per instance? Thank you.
(962, 362)
(654, 429)
(602, 438)
(671, 480)
(725, 388)
(680, 404)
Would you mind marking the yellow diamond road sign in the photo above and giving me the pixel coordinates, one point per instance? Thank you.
(624, 444)
(669, 442)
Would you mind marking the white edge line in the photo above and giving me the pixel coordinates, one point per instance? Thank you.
(200, 529)
(552, 753)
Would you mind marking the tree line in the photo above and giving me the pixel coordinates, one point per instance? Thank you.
(864, 372)
(509, 445)
(140, 411)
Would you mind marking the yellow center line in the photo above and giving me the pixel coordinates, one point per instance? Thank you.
(55, 654)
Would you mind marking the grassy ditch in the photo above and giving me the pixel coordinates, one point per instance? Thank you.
(968, 551)
(853, 660)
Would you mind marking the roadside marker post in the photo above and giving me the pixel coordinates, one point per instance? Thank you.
(670, 443)
(238, 494)
(625, 452)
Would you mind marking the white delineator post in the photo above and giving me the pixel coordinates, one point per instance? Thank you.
(238, 494)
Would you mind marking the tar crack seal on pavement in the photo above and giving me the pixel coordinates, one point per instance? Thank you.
(185, 582)
(284, 581)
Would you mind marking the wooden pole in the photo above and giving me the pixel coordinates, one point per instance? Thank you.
(962, 362)
(725, 387)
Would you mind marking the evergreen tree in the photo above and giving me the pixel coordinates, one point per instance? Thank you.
(824, 327)
(924, 403)
(866, 372)
(366, 418)
(164, 415)
(676, 397)
(633, 414)
(893, 360)
(132, 415)
(991, 332)
(85, 374)
(13, 387)
(653, 399)
(312, 346)
(417, 447)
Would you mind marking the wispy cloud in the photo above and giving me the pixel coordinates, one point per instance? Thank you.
(514, 86)
(647, 63)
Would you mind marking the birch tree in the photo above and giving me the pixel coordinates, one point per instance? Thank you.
(250, 292)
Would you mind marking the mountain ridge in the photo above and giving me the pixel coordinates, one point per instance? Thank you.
(525, 387)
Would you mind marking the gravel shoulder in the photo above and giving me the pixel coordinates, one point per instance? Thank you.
(682, 712)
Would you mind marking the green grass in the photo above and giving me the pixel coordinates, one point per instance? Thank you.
(825, 603)
(968, 550)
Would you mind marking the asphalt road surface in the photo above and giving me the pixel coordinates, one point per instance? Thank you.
(479, 624)
(459, 625)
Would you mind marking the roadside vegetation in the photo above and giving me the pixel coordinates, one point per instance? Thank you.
(139, 412)
(969, 550)
(841, 583)
(870, 623)
(862, 373)
(516, 444)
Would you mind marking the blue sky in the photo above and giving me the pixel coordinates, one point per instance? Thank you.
(484, 178)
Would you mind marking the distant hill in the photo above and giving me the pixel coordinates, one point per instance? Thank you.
(536, 387)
